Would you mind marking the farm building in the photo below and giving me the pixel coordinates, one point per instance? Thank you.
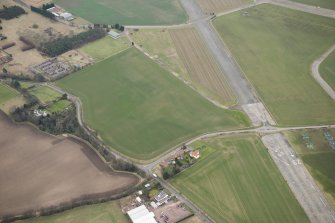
(141, 215)
(161, 198)
(195, 154)
(61, 13)
(66, 16)
(113, 34)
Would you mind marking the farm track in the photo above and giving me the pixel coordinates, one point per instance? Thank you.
(316, 74)
(237, 80)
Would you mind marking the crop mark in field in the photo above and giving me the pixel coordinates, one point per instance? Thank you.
(204, 73)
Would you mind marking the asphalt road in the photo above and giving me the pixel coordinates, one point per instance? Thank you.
(317, 76)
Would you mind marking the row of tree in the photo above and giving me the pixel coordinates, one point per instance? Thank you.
(11, 12)
(63, 44)
(42, 12)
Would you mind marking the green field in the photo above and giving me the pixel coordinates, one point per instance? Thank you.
(59, 106)
(275, 47)
(142, 110)
(158, 43)
(6, 93)
(327, 70)
(320, 160)
(238, 182)
(328, 4)
(97, 213)
(127, 12)
(106, 47)
(44, 94)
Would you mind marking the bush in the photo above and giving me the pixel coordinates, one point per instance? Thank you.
(11, 12)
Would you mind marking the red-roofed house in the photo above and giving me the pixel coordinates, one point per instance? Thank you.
(195, 154)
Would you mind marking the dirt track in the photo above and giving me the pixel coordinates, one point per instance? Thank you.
(38, 170)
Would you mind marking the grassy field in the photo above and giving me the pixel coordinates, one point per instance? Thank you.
(320, 160)
(237, 181)
(59, 106)
(218, 6)
(158, 43)
(44, 94)
(141, 110)
(6, 93)
(204, 72)
(127, 12)
(97, 213)
(275, 47)
(106, 47)
(330, 4)
(327, 70)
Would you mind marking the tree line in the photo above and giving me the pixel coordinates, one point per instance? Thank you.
(63, 44)
(42, 12)
(11, 12)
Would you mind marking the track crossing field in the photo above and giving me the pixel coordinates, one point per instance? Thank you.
(327, 70)
(127, 12)
(328, 4)
(237, 181)
(142, 110)
(203, 71)
(275, 47)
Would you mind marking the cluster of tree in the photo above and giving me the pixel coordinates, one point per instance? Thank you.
(48, 6)
(11, 12)
(64, 44)
(177, 166)
(7, 75)
(28, 44)
(42, 12)
(105, 26)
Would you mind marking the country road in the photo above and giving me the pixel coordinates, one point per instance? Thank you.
(247, 97)
(316, 74)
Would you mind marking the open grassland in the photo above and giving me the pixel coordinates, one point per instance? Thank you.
(127, 12)
(237, 181)
(142, 110)
(275, 47)
(327, 70)
(204, 72)
(44, 94)
(328, 4)
(97, 213)
(39, 170)
(59, 106)
(218, 6)
(320, 160)
(158, 43)
(6, 93)
(9, 98)
(106, 47)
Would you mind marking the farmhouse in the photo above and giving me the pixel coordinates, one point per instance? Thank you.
(195, 154)
(161, 198)
(114, 35)
(141, 215)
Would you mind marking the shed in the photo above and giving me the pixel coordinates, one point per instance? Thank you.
(113, 34)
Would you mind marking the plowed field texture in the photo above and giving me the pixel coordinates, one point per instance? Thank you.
(203, 70)
(275, 47)
(142, 110)
(218, 6)
(39, 171)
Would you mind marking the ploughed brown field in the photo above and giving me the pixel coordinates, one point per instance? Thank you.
(38, 170)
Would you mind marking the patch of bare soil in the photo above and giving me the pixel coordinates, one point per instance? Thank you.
(38, 170)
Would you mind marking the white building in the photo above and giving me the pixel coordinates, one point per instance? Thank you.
(162, 198)
(141, 215)
(66, 16)
(114, 34)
